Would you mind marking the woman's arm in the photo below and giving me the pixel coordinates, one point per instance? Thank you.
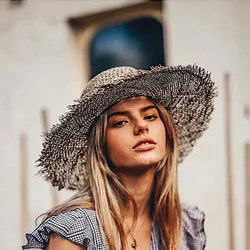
(57, 242)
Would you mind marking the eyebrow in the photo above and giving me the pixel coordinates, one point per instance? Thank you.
(126, 113)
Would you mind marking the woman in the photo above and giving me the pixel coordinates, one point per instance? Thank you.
(119, 146)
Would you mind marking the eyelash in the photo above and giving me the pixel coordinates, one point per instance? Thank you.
(120, 123)
(151, 117)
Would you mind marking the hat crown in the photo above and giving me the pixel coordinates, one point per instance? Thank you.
(112, 76)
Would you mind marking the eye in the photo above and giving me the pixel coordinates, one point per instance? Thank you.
(119, 124)
(150, 117)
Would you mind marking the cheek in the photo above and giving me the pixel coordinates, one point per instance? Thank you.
(162, 135)
(115, 143)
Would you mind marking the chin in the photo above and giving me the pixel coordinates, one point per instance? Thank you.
(140, 163)
(146, 164)
(151, 160)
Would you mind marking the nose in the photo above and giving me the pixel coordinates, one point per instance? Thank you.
(141, 127)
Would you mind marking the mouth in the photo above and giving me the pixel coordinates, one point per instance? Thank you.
(144, 144)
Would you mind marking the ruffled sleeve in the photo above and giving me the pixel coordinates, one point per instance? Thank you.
(194, 237)
(74, 226)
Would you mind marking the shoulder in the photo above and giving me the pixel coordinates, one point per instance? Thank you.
(194, 236)
(78, 226)
(58, 242)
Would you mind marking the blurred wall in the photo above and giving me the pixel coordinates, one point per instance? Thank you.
(39, 69)
(215, 35)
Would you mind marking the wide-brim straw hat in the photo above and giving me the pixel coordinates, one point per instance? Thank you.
(186, 92)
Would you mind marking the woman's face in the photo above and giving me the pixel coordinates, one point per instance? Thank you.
(135, 135)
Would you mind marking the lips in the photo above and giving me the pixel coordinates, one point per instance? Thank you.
(144, 144)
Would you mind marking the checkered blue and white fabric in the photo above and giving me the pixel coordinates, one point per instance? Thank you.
(80, 226)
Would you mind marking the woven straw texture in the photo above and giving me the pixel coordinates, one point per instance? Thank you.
(187, 93)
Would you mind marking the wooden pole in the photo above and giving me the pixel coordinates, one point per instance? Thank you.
(24, 184)
(229, 162)
(247, 181)
(45, 121)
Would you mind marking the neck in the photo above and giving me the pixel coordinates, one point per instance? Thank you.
(141, 187)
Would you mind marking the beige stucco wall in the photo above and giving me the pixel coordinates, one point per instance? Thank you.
(39, 68)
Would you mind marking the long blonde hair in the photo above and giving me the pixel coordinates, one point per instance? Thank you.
(108, 196)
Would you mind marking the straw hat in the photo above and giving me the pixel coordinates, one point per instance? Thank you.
(186, 92)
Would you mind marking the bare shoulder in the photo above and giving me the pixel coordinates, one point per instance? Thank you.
(57, 242)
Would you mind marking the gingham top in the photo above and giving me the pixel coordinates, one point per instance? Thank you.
(80, 226)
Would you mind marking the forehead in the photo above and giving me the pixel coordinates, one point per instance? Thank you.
(133, 102)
